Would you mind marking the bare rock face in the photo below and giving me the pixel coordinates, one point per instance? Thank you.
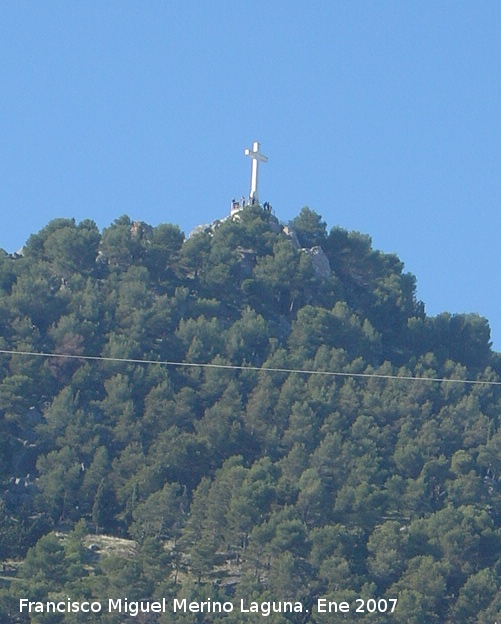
(140, 229)
(291, 235)
(247, 260)
(319, 260)
(199, 229)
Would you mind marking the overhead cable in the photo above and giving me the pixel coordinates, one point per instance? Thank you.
(260, 369)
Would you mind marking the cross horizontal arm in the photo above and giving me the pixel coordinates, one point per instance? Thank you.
(256, 155)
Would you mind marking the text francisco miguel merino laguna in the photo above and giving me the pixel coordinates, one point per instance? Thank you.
(134, 608)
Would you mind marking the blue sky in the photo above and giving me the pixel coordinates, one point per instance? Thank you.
(384, 117)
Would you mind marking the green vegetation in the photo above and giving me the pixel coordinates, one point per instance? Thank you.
(228, 483)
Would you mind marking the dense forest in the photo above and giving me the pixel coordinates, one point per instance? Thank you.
(122, 478)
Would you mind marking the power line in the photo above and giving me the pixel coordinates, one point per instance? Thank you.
(261, 369)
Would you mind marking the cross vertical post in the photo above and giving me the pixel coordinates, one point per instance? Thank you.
(257, 157)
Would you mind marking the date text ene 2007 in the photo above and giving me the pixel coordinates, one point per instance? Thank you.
(371, 605)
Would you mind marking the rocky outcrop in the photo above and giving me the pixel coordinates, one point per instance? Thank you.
(319, 260)
(291, 235)
(247, 260)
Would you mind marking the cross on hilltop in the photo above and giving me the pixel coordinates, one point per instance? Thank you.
(257, 157)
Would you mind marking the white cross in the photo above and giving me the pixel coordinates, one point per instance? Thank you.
(256, 159)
